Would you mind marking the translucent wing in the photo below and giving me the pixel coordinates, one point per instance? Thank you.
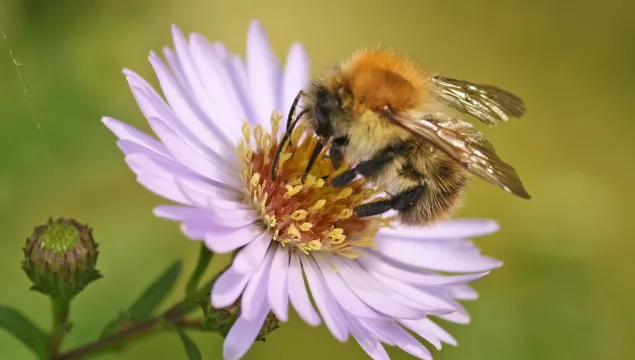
(464, 143)
(485, 102)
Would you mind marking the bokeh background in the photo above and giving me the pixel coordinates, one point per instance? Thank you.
(566, 290)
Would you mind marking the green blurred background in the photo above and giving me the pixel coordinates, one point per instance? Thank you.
(566, 289)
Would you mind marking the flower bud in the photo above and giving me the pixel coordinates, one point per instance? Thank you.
(221, 320)
(60, 258)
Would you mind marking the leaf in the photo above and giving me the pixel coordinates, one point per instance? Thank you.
(150, 300)
(204, 258)
(192, 351)
(24, 330)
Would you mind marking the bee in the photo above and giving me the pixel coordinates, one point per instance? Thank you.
(405, 129)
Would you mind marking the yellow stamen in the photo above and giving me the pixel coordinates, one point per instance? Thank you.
(318, 205)
(299, 215)
(306, 226)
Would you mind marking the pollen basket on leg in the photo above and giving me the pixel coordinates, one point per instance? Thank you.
(304, 215)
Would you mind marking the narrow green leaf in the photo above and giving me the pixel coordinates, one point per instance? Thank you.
(24, 330)
(192, 351)
(150, 300)
(204, 258)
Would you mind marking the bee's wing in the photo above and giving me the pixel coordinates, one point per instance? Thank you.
(465, 144)
(485, 102)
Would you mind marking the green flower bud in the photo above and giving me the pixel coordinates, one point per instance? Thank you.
(221, 320)
(60, 258)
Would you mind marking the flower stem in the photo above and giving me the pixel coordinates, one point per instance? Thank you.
(61, 326)
(174, 315)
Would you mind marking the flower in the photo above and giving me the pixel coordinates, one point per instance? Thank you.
(217, 138)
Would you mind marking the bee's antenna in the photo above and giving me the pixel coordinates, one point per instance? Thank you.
(290, 126)
(316, 151)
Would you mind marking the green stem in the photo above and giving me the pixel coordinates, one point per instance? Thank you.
(174, 315)
(61, 326)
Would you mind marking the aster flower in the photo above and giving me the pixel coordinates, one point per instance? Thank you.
(217, 136)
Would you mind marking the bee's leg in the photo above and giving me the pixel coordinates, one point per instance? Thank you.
(366, 168)
(400, 202)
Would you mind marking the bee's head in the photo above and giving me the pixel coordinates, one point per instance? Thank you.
(327, 108)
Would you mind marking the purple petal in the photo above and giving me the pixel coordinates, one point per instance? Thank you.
(434, 255)
(343, 294)
(175, 65)
(221, 239)
(298, 295)
(214, 75)
(208, 167)
(243, 334)
(263, 69)
(406, 341)
(330, 310)
(417, 326)
(278, 292)
(451, 229)
(186, 110)
(255, 295)
(176, 212)
(460, 316)
(228, 288)
(374, 263)
(372, 292)
(296, 76)
(207, 105)
(126, 132)
(415, 297)
(195, 130)
(249, 259)
(372, 347)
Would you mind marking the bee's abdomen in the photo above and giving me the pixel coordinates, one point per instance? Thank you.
(444, 183)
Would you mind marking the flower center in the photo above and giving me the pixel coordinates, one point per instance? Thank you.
(305, 215)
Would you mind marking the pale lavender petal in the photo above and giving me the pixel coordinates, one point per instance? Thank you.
(175, 65)
(298, 294)
(255, 295)
(176, 212)
(184, 183)
(461, 292)
(212, 112)
(343, 294)
(127, 132)
(207, 167)
(373, 293)
(329, 309)
(222, 239)
(438, 331)
(243, 334)
(296, 76)
(232, 218)
(263, 69)
(451, 229)
(188, 113)
(238, 73)
(374, 263)
(406, 341)
(194, 129)
(434, 255)
(418, 327)
(278, 292)
(163, 187)
(217, 82)
(227, 288)
(415, 297)
(460, 316)
(248, 260)
(365, 339)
